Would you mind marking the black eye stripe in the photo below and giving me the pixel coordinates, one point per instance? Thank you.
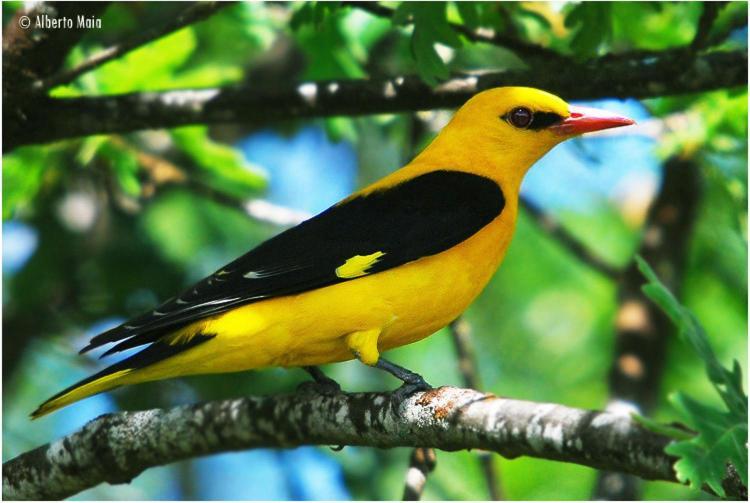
(543, 120)
(539, 120)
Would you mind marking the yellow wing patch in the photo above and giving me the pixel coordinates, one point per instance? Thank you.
(357, 265)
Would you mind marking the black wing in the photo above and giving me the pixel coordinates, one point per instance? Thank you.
(416, 218)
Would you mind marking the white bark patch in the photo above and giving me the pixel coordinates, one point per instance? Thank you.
(616, 422)
(553, 433)
(342, 414)
(535, 431)
(194, 99)
(622, 407)
(389, 90)
(468, 85)
(333, 87)
(415, 478)
(309, 93)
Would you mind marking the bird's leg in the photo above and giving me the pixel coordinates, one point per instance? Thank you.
(364, 345)
(413, 382)
(321, 383)
(321, 379)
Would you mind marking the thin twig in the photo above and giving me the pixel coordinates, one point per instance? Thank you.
(467, 364)
(258, 209)
(164, 173)
(550, 224)
(193, 14)
(421, 463)
(705, 23)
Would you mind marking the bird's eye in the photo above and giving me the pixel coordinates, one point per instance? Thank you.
(520, 117)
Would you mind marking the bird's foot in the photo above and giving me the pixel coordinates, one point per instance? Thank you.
(321, 383)
(408, 389)
(413, 382)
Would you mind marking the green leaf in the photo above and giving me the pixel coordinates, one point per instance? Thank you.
(330, 51)
(594, 22)
(470, 14)
(220, 166)
(151, 67)
(430, 27)
(23, 177)
(312, 13)
(341, 129)
(660, 25)
(89, 147)
(534, 15)
(689, 328)
(722, 437)
(722, 434)
(124, 166)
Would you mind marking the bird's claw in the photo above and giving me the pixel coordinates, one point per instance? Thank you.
(327, 387)
(415, 384)
(321, 384)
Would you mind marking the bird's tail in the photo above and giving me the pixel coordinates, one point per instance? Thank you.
(128, 371)
(105, 380)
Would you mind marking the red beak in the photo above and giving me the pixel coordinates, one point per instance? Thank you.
(585, 120)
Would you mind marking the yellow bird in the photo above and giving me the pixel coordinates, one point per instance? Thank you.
(387, 266)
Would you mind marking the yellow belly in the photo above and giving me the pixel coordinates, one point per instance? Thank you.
(407, 304)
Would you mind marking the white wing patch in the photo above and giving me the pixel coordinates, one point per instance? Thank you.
(213, 303)
(265, 273)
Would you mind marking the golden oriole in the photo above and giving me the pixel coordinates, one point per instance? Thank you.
(387, 266)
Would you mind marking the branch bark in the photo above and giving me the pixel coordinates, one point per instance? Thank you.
(635, 75)
(117, 447)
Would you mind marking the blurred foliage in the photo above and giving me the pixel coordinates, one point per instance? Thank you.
(124, 221)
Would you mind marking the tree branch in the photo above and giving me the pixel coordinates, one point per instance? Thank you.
(117, 447)
(640, 76)
(191, 15)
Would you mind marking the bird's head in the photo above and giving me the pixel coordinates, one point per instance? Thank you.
(518, 125)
